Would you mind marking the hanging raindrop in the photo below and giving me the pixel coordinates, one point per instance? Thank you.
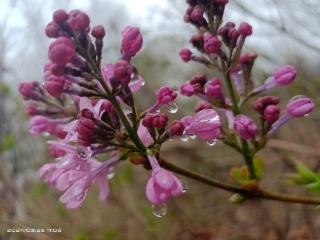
(193, 137)
(111, 173)
(185, 187)
(212, 142)
(84, 152)
(159, 210)
(172, 107)
(185, 138)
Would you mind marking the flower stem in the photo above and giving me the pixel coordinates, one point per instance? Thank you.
(257, 193)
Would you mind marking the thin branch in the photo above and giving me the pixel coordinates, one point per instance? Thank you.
(257, 193)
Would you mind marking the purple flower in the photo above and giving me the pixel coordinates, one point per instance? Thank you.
(176, 128)
(52, 30)
(299, 107)
(122, 72)
(98, 32)
(156, 120)
(213, 89)
(245, 29)
(205, 125)
(59, 16)
(166, 95)
(61, 51)
(271, 113)
(245, 127)
(163, 185)
(185, 54)
(211, 43)
(131, 42)
(78, 20)
(282, 76)
(55, 85)
(40, 124)
(30, 90)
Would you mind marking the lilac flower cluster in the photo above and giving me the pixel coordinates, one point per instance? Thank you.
(90, 109)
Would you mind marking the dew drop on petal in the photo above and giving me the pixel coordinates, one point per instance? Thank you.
(212, 142)
(111, 174)
(185, 187)
(45, 134)
(172, 107)
(185, 138)
(143, 83)
(159, 210)
(193, 137)
(306, 115)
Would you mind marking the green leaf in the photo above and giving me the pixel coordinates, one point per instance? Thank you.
(239, 175)
(8, 142)
(306, 172)
(258, 165)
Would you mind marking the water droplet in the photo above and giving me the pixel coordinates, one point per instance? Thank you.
(306, 115)
(172, 107)
(185, 187)
(45, 134)
(185, 138)
(193, 137)
(84, 152)
(143, 83)
(111, 173)
(175, 88)
(212, 142)
(159, 210)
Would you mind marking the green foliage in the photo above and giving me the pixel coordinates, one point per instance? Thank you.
(8, 142)
(258, 165)
(306, 177)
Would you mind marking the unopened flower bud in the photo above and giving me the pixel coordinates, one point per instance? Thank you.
(213, 89)
(211, 43)
(300, 107)
(284, 75)
(55, 85)
(197, 41)
(263, 102)
(122, 72)
(61, 51)
(166, 95)
(98, 32)
(203, 105)
(131, 42)
(245, 29)
(245, 127)
(32, 109)
(78, 20)
(52, 30)
(271, 113)
(59, 16)
(185, 54)
(157, 120)
(85, 130)
(176, 128)
(197, 14)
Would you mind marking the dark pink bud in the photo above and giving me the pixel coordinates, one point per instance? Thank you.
(131, 42)
(86, 113)
(176, 128)
(122, 72)
(300, 107)
(52, 30)
(211, 43)
(156, 120)
(166, 95)
(245, 29)
(263, 102)
(284, 75)
(55, 85)
(85, 130)
(247, 58)
(245, 127)
(221, 2)
(199, 78)
(32, 109)
(78, 20)
(271, 113)
(185, 54)
(56, 152)
(213, 89)
(197, 14)
(98, 32)
(57, 70)
(26, 89)
(187, 89)
(203, 105)
(59, 16)
(197, 41)
(61, 51)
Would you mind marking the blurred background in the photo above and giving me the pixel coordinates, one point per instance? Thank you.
(284, 32)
